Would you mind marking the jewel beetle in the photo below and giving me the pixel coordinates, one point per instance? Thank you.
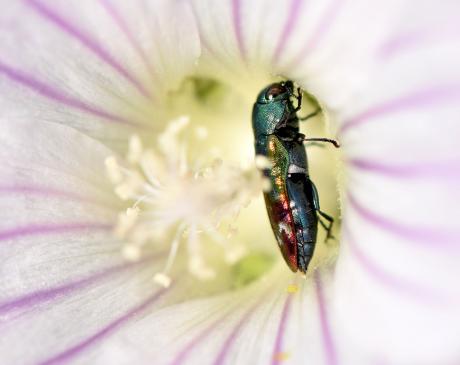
(292, 202)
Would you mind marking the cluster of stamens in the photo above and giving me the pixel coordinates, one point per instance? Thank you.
(173, 199)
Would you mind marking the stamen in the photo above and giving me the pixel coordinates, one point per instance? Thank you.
(173, 251)
(197, 267)
(162, 279)
(196, 264)
(135, 149)
(129, 187)
(131, 252)
(232, 253)
(152, 167)
(113, 170)
(126, 221)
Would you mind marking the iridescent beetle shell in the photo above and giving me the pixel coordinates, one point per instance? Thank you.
(292, 201)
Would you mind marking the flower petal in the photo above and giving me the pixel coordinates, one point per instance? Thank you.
(55, 195)
(401, 239)
(107, 66)
(395, 276)
(58, 255)
(297, 40)
(257, 325)
(66, 288)
(391, 81)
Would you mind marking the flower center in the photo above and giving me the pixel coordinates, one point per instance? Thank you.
(176, 199)
(186, 189)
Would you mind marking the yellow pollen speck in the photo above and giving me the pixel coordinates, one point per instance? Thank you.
(282, 356)
(292, 288)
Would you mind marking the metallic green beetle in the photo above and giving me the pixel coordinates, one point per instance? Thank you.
(292, 203)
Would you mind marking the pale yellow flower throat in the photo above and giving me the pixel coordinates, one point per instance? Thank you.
(175, 200)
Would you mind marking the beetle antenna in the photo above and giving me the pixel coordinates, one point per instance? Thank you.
(327, 140)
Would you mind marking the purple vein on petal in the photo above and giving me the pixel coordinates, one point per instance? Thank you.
(113, 12)
(230, 340)
(419, 38)
(429, 237)
(39, 190)
(442, 170)
(278, 347)
(48, 228)
(76, 350)
(419, 99)
(32, 299)
(185, 352)
(289, 26)
(323, 27)
(57, 95)
(388, 279)
(329, 347)
(238, 26)
(401, 42)
(86, 40)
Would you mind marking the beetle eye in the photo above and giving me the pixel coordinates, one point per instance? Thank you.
(274, 91)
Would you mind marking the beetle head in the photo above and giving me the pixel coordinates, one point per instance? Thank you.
(272, 107)
(276, 92)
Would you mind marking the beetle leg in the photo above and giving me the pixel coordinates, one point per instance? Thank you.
(311, 115)
(315, 196)
(299, 100)
(327, 227)
(322, 223)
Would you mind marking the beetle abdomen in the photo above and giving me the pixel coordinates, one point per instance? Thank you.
(304, 215)
(278, 203)
(290, 204)
(283, 227)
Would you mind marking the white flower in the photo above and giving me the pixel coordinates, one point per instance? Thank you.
(79, 79)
